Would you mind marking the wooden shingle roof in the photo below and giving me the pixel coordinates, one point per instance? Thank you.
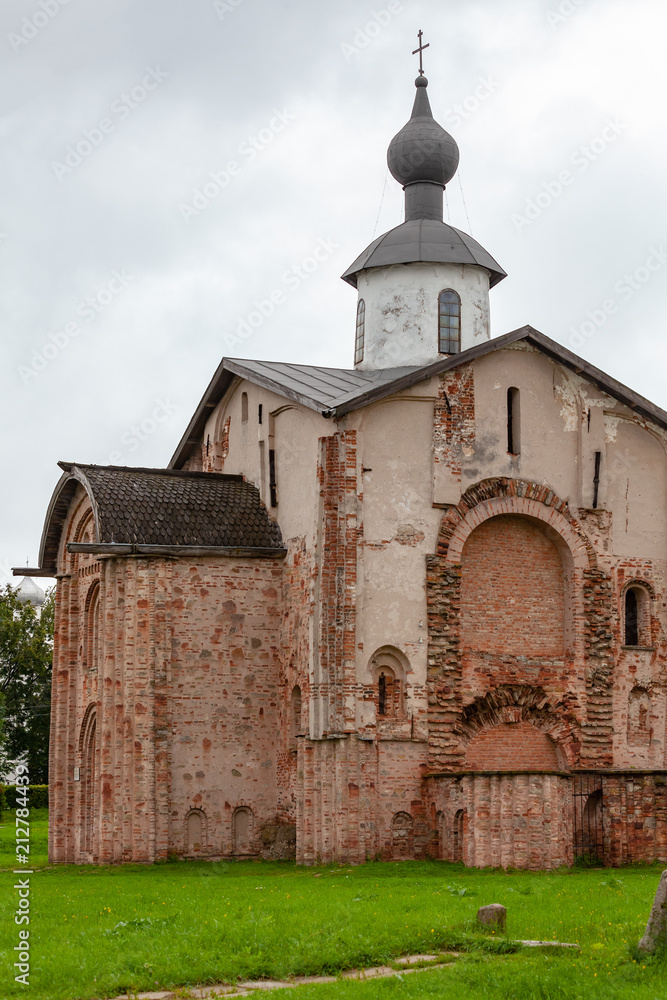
(142, 510)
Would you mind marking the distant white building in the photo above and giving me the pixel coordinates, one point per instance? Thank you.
(29, 593)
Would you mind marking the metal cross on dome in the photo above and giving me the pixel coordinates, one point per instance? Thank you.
(420, 51)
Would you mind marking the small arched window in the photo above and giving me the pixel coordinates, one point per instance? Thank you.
(631, 618)
(449, 322)
(388, 669)
(361, 329)
(636, 617)
(387, 691)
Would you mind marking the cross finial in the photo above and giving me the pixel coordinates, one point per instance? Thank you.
(420, 50)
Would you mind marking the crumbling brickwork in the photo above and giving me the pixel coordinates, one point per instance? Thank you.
(232, 704)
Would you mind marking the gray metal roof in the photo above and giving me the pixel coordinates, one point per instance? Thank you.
(425, 240)
(337, 391)
(318, 388)
(321, 389)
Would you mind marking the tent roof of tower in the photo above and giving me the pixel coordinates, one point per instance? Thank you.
(427, 241)
(333, 392)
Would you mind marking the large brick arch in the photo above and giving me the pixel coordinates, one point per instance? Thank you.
(521, 703)
(588, 642)
(499, 495)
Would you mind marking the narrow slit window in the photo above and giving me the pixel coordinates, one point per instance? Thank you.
(273, 484)
(513, 421)
(361, 329)
(631, 618)
(259, 414)
(382, 695)
(449, 322)
(596, 478)
(244, 407)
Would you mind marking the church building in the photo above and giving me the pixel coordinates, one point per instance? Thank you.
(414, 608)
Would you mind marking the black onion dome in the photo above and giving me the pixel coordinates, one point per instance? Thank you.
(422, 150)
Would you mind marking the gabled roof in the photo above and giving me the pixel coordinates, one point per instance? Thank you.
(333, 392)
(159, 509)
(321, 389)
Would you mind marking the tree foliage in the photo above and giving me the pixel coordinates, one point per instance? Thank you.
(26, 647)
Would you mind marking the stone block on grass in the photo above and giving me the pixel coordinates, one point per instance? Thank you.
(494, 916)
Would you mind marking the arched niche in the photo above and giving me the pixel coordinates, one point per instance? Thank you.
(91, 627)
(522, 705)
(516, 589)
(402, 836)
(88, 778)
(459, 832)
(195, 832)
(388, 668)
(639, 717)
(493, 497)
(513, 746)
(242, 830)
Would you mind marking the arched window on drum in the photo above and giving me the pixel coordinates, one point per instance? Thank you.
(449, 322)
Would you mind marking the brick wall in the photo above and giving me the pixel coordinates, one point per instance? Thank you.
(511, 747)
(454, 419)
(508, 820)
(225, 696)
(338, 579)
(512, 596)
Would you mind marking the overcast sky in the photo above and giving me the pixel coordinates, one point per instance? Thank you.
(128, 268)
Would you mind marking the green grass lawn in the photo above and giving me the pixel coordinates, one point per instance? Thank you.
(39, 839)
(98, 932)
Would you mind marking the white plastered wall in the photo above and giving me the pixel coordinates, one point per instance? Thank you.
(401, 309)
